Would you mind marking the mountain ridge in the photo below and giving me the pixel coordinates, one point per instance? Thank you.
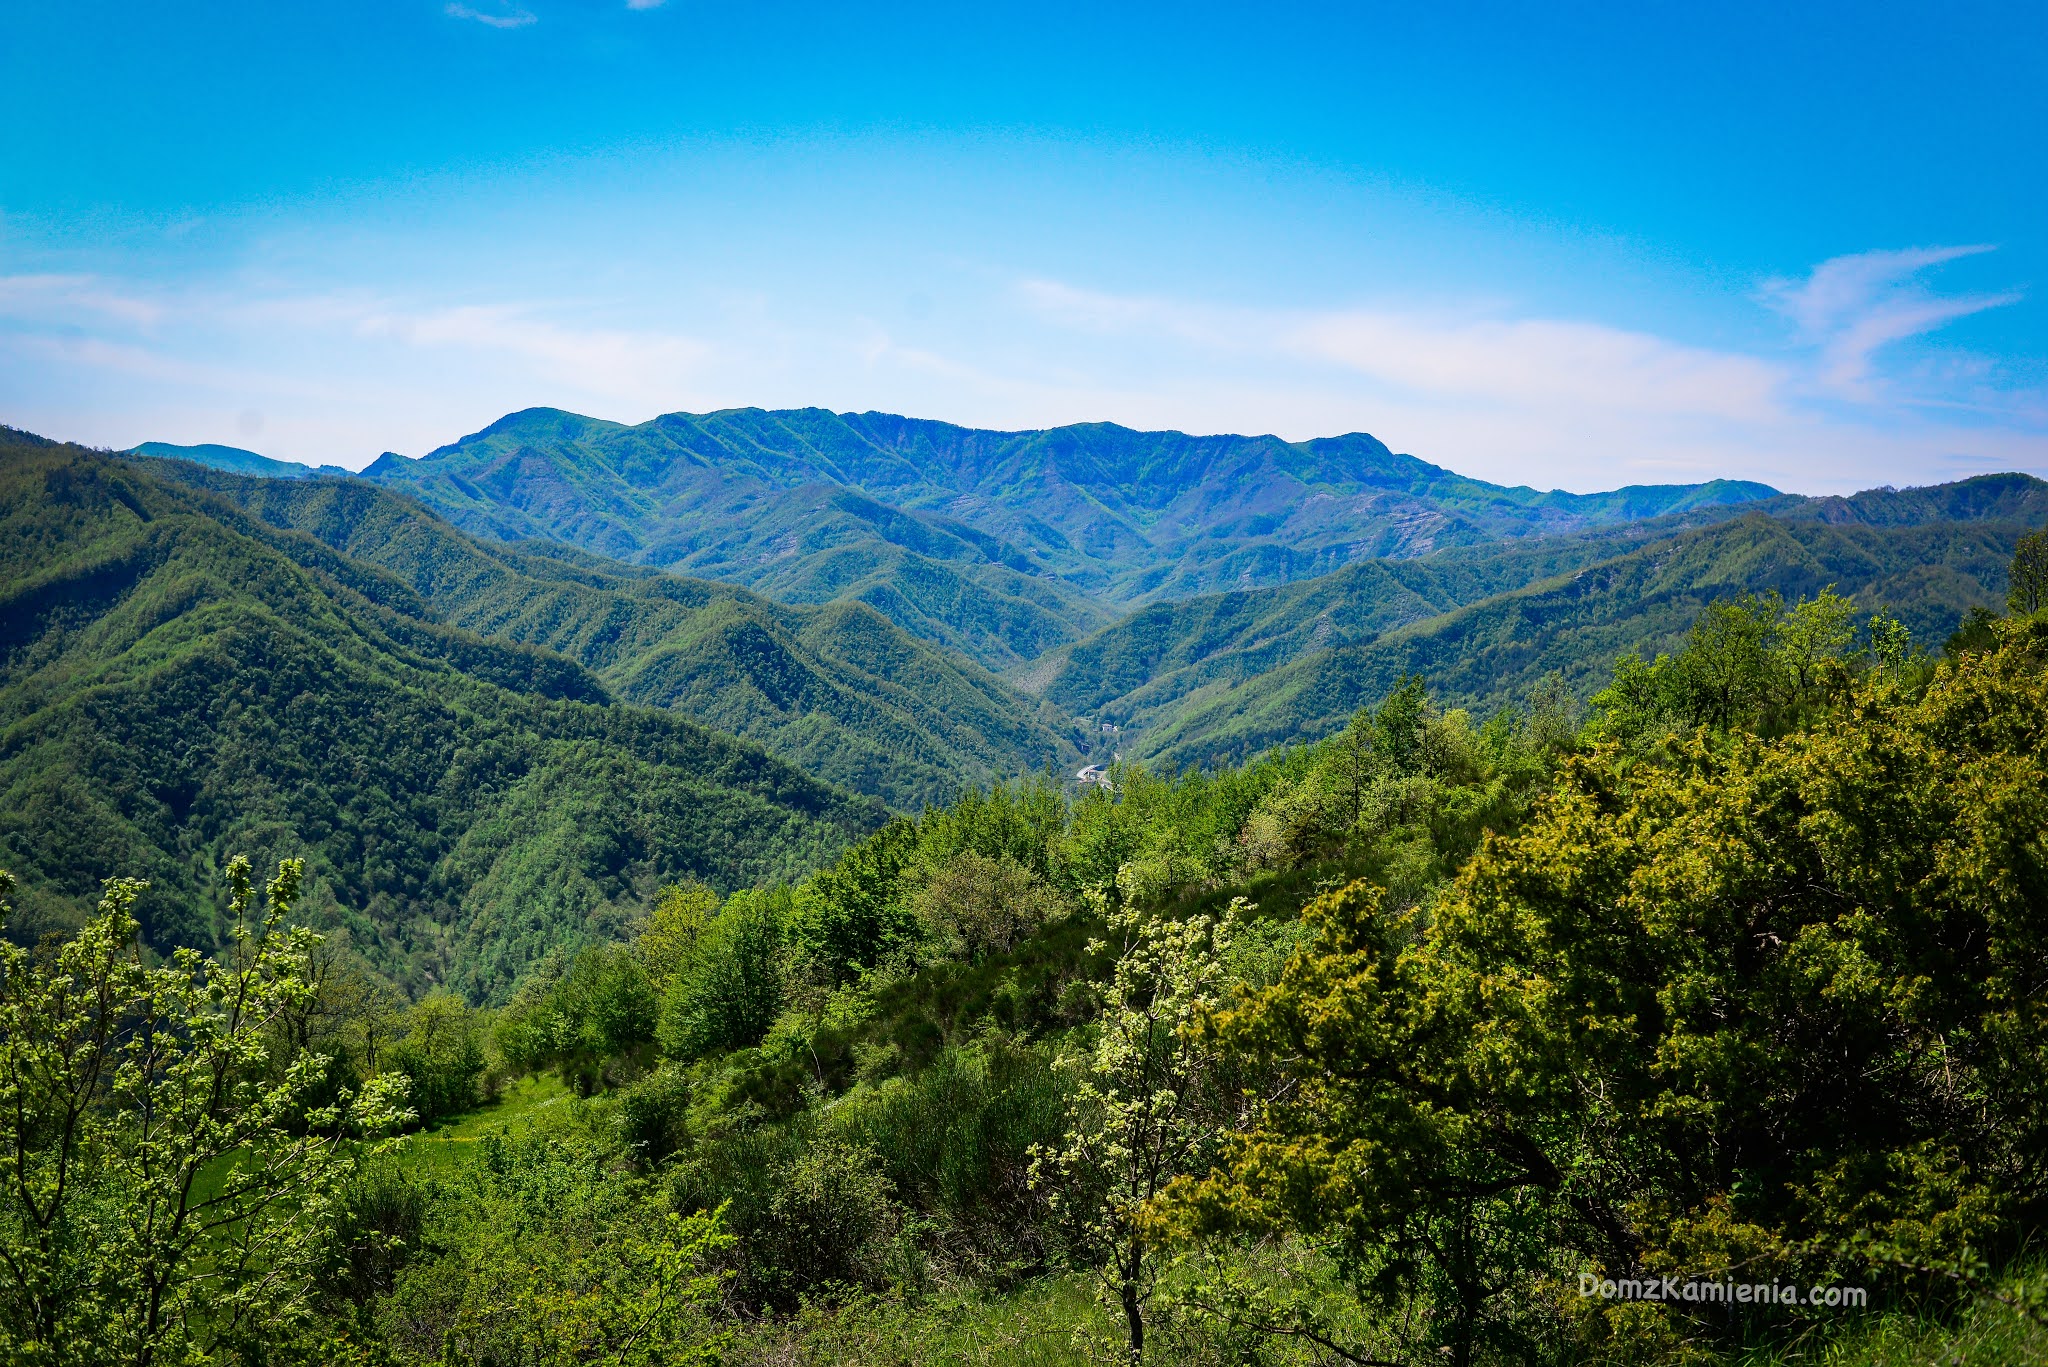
(233, 458)
(1000, 544)
(1165, 651)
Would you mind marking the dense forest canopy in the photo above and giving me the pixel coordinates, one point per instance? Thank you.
(1381, 1048)
(176, 690)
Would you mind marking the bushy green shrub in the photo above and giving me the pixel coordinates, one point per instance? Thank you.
(728, 992)
(851, 916)
(441, 1056)
(973, 905)
(955, 1141)
(600, 1015)
(377, 1230)
(653, 1115)
(815, 1216)
(544, 1250)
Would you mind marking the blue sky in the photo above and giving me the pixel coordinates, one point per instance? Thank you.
(1569, 245)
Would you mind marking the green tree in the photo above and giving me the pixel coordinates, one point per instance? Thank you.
(1727, 674)
(1355, 762)
(441, 1056)
(167, 1185)
(1813, 633)
(1771, 1001)
(979, 906)
(732, 989)
(2028, 579)
(1384, 1136)
(1147, 1105)
(1977, 632)
(1891, 643)
(1553, 714)
(850, 916)
(594, 1025)
(675, 924)
(1397, 725)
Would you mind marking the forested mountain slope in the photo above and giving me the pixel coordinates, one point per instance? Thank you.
(174, 689)
(1493, 651)
(1003, 538)
(1144, 664)
(1139, 670)
(836, 688)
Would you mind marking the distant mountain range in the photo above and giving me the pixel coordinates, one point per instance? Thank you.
(1491, 652)
(834, 688)
(1148, 580)
(998, 544)
(1219, 676)
(497, 693)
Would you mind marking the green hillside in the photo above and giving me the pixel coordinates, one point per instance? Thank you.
(1492, 651)
(1029, 526)
(1139, 671)
(1143, 666)
(835, 689)
(174, 689)
(993, 615)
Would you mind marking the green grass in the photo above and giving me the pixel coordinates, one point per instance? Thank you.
(1982, 1334)
(1056, 1322)
(446, 1145)
(515, 1109)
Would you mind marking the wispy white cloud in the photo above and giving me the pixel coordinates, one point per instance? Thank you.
(1551, 401)
(128, 360)
(1576, 403)
(614, 362)
(1850, 307)
(1452, 356)
(55, 296)
(1541, 361)
(645, 4)
(312, 362)
(510, 16)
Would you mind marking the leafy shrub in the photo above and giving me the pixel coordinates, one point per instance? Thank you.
(815, 1214)
(829, 1226)
(654, 1115)
(441, 1056)
(599, 1016)
(545, 1251)
(977, 906)
(850, 916)
(955, 1141)
(377, 1230)
(727, 993)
